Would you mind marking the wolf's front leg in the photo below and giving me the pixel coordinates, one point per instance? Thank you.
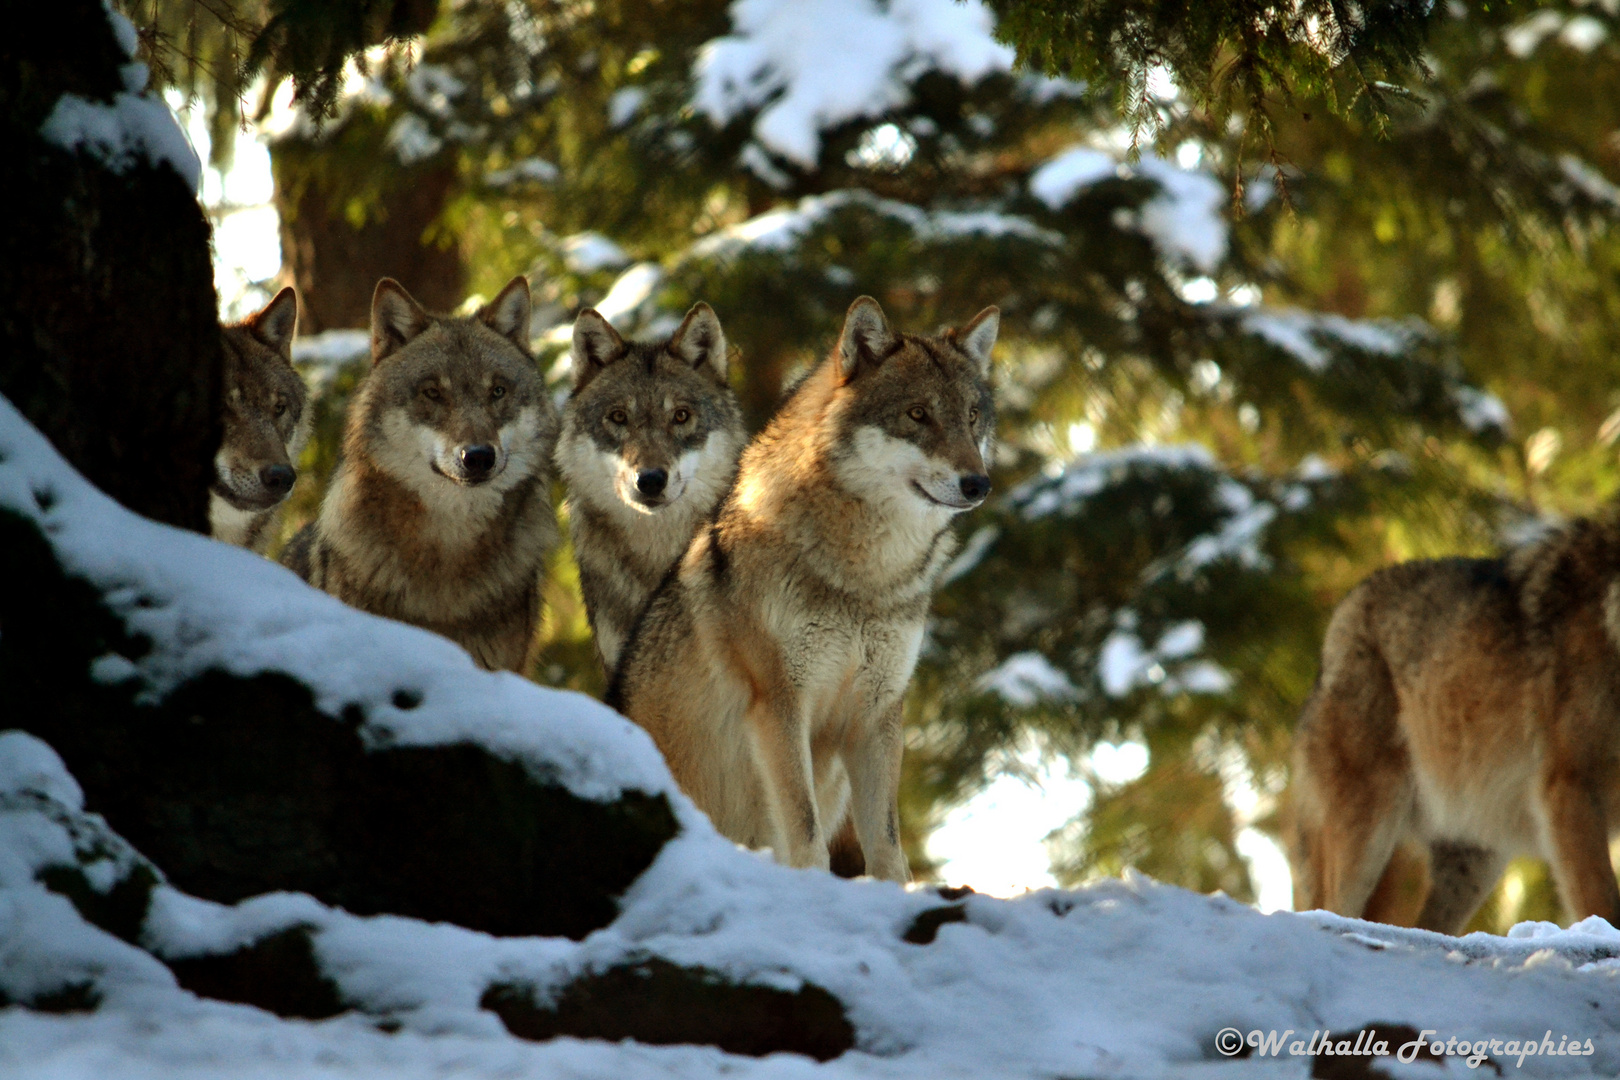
(873, 759)
(783, 734)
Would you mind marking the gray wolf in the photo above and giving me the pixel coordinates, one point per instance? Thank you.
(265, 424)
(649, 444)
(439, 512)
(1468, 710)
(769, 667)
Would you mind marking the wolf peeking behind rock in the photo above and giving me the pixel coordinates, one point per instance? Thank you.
(649, 444)
(1468, 709)
(439, 513)
(265, 424)
(769, 668)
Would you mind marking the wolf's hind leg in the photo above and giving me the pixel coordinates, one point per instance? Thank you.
(873, 758)
(1577, 839)
(1460, 875)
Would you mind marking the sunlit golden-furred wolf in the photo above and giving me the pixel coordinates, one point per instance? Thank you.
(265, 424)
(649, 444)
(439, 513)
(1469, 708)
(770, 666)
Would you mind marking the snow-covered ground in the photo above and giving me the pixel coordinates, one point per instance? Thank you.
(1121, 979)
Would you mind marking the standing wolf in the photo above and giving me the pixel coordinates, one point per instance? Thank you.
(439, 513)
(769, 667)
(265, 425)
(1469, 707)
(649, 444)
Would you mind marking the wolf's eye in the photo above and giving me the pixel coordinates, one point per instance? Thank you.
(973, 416)
(281, 408)
(917, 413)
(617, 416)
(682, 415)
(497, 392)
(432, 393)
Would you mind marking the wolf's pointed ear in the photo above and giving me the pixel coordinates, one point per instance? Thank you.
(866, 339)
(700, 342)
(396, 318)
(508, 313)
(978, 337)
(277, 321)
(596, 345)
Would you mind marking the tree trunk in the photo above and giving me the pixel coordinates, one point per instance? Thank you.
(351, 214)
(109, 339)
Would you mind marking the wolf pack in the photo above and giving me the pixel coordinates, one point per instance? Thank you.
(758, 603)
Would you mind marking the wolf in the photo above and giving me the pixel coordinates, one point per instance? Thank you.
(769, 667)
(439, 512)
(264, 426)
(649, 444)
(1468, 709)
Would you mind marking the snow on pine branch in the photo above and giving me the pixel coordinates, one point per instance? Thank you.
(781, 230)
(809, 65)
(1184, 220)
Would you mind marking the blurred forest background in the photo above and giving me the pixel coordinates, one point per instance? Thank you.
(1282, 304)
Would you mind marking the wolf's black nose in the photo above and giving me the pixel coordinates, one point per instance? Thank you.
(477, 460)
(277, 479)
(975, 487)
(651, 481)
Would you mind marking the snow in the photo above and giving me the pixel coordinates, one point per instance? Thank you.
(532, 169)
(588, 252)
(631, 297)
(809, 65)
(1027, 678)
(782, 229)
(1481, 412)
(1184, 219)
(1009, 992)
(1301, 333)
(134, 128)
(332, 348)
(1591, 183)
(1090, 473)
(207, 605)
(412, 140)
(1125, 663)
(624, 104)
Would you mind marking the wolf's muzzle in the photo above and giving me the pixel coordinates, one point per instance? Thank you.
(277, 479)
(651, 482)
(476, 461)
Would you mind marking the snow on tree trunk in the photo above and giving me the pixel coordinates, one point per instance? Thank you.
(108, 334)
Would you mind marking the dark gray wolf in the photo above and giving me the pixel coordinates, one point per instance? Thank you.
(266, 422)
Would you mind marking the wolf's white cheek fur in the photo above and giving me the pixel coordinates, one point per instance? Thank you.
(886, 469)
(222, 467)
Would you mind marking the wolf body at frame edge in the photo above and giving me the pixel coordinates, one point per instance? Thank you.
(265, 423)
(770, 667)
(1468, 712)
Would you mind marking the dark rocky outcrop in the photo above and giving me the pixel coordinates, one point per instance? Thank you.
(655, 1001)
(237, 786)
